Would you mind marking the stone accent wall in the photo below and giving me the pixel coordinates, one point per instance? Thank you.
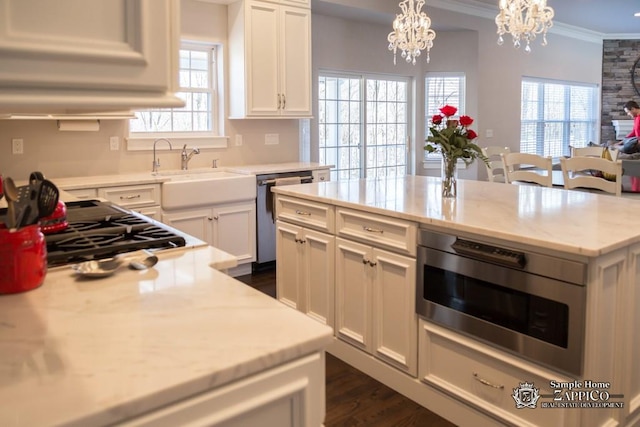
(618, 56)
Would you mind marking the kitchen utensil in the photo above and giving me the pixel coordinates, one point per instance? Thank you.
(43, 199)
(11, 191)
(139, 260)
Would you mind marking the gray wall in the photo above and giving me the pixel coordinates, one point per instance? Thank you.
(618, 56)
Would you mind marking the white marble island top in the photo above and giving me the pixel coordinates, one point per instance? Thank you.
(95, 352)
(569, 221)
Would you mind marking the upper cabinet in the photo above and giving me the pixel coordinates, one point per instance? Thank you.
(79, 56)
(270, 59)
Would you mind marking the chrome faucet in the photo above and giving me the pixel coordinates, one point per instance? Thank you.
(186, 157)
(156, 161)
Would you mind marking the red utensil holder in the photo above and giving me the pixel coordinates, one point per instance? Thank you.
(23, 259)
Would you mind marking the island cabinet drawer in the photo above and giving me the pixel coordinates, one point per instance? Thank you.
(130, 196)
(487, 379)
(305, 212)
(379, 230)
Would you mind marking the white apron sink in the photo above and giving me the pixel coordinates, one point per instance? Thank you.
(192, 189)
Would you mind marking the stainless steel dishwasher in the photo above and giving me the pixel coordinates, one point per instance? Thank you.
(266, 216)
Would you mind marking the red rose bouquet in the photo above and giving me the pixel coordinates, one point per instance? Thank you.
(453, 138)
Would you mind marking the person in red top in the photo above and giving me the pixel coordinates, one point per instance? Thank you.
(632, 109)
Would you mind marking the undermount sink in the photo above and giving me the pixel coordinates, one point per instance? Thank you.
(192, 188)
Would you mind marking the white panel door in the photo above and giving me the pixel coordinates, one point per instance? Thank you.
(197, 223)
(318, 275)
(234, 230)
(295, 61)
(353, 293)
(288, 265)
(262, 58)
(395, 323)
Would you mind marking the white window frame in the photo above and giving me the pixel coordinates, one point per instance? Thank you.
(433, 160)
(566, 123)
(208, 139)
(363, 78)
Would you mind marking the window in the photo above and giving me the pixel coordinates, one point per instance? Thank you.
(442, 89)
(363, 125)
(556, 115)
(198, 118)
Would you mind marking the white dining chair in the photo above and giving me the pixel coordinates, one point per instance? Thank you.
(495, 168)
(527, 168)
(591, 151)
(577, 172)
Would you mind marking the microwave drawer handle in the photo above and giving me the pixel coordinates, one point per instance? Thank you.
(485, 382)
(490, 253)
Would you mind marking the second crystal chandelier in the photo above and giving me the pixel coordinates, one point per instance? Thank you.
(411, 32)
(524, 19)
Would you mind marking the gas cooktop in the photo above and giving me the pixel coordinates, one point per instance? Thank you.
(101, 230)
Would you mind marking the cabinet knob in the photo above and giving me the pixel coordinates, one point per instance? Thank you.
(209, 218)
(284, 101)
(322, 178)
(372, 264)
(365, 261)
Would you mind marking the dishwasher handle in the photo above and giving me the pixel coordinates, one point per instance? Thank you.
(303, 180)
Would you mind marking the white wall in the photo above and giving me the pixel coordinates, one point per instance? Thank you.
(493, 72)
(63, 154)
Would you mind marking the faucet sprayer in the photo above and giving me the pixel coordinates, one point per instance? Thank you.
(186, 157)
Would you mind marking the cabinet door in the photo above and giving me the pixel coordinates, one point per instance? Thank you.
(353, 293)
(318, 275)
(196, 223)
(98, 54)
(395, 323)
(295, 61)
(234, 230)
(288, 265)
(262, 58)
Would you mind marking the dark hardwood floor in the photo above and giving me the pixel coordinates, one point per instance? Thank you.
(353, 398)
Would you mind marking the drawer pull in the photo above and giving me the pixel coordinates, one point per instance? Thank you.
(485, 382)
(137, 196)
(299, 212)
(372, 230)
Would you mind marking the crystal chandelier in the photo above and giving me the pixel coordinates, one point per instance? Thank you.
(524, 19)
(411, 32)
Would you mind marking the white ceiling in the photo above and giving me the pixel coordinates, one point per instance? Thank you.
(605, 18)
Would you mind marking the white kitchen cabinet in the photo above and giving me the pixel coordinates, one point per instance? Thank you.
(305, 271)
(229, 227)
(78, 56)
(142, 198)
(270, 59)
(375, 303)
(291, 395)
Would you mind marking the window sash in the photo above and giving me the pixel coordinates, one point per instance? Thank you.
(197, 117)
(442, 89)
(363, 124)
(556, 115)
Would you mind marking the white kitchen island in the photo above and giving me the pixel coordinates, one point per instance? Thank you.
(329, 231)
(176, 343)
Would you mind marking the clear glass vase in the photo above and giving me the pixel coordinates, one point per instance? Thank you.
(449, 176)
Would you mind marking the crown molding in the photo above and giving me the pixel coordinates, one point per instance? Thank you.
(482, 10)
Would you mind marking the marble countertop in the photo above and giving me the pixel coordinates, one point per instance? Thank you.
(82, 182)
(95, 352)
(569, 221)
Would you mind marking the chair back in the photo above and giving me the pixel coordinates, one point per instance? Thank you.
(530, 168)
(495, 168)
(592, 151)
(577, 173)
